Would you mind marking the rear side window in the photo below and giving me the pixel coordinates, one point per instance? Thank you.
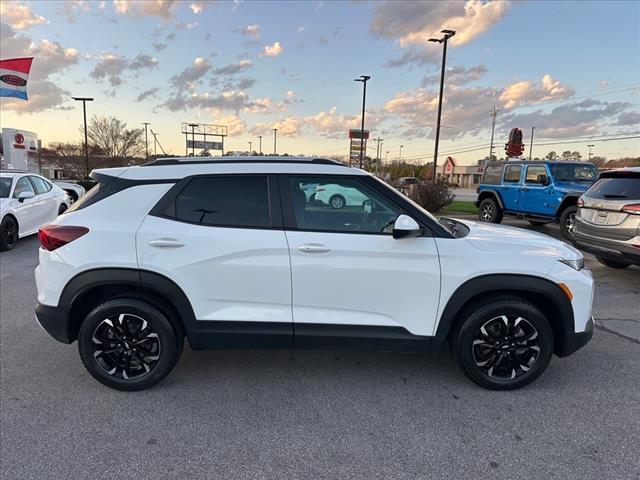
(239, 201)
(534, 172)
(40, 185)
(492, 174)
(512, 173)
(613, 188)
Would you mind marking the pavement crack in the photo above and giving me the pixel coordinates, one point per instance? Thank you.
(599, 326)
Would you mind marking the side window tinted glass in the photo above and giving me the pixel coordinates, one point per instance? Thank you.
(241, 201)
(340, 205)
(23, 185)
(40, 185)
(492, 174)
(512, 173)
(535, 171)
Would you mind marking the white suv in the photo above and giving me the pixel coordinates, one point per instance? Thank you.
(231, 253)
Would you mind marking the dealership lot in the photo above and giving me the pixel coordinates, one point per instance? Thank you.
(319, 414)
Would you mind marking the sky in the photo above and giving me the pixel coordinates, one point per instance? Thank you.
(569, 69)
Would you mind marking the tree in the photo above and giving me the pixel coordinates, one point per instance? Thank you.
(551, 155)
(70, 157)
(115, 141)
(576, 155)
(566, 155)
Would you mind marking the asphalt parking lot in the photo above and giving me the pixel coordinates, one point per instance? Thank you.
(318, 414)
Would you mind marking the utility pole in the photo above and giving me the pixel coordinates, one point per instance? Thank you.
(400, 155)
(386, 157)
(363, 79)
(275, 138)
(590, 154)
(260, 139)
(494, 113)
(531, 144)
(156, 141)
(378, 150)
(249, 148)
(84, 101)
(146, 140)
(447, 35)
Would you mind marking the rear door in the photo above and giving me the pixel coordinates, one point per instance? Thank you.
(536, 198)
(510, 189)
(46, 204)
(350, 276)
(220, 239)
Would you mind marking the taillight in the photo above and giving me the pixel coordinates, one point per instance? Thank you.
(55, 236)
(580, 202)
(633, 208)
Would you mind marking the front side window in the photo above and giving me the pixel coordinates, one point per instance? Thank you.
(534, 172)
(492, 174)
(237, 201)
(512, 173)
(40, 185)
(23, 185)
(343, 205)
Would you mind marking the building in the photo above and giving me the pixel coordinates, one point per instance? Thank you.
(463, 176)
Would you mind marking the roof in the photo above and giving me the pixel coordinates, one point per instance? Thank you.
(537, 162)
(176, 168)
(621, 173)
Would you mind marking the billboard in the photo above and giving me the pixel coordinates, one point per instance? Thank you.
(201, 144)
(19, 150)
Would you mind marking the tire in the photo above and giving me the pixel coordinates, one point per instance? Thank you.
(483, 338)
(567, 221)
(8, 233)
(337, 202)
(489, 211)
(73, 196)
(62, 208)
(612, 263)
(123, 367)
(536, 223)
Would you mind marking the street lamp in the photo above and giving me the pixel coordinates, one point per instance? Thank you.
(275, 138)
(249, 148)
(146, 141)
(363, 79)
(590, 147)
(84, 101)
(531, 144)
(260, 138)
(447, 35)
(400, 155)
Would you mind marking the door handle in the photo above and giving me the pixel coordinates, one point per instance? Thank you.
(313, 248)
(166, 243)
(524, 189)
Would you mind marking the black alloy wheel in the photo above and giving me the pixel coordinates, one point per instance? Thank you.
(8, 234)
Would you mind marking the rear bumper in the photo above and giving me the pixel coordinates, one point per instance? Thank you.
(574, 341)
(611, 249)
(55, 321)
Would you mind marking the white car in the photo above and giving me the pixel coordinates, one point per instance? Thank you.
(230, 254)
(27, 201)
(74, 190)
(339, 196)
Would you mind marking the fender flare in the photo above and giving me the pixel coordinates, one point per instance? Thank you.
(557, 306)
(492, 193)
(569, 198)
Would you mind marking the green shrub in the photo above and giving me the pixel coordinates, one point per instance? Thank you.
(432, 196)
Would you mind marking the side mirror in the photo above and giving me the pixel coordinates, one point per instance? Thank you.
(405, 227)
(543, 179)
(22, 196)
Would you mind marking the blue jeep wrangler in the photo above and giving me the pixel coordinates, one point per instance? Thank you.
(538, 191)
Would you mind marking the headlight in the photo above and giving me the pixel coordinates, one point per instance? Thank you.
(577, 264)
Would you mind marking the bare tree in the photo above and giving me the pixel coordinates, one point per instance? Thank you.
(70, 157)
(114, 140)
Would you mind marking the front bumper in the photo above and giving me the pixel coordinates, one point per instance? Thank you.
(574, 341)
(55, 321)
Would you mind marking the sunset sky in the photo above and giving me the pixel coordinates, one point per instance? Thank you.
(571, 69)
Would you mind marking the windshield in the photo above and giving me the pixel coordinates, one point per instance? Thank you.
(575, 173)
(5, 187)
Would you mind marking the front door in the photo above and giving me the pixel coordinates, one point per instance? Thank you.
(535, 197)
(27, 210)
(220, 239)
(349, 271)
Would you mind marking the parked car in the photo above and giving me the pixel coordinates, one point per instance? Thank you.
(230, 254)
(339, 196)
(608, 219)
(74, 190)
(538, 191)
(27, 201)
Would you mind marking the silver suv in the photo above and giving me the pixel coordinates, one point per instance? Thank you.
(608, 220)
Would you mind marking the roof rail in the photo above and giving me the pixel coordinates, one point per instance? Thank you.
(247, 159)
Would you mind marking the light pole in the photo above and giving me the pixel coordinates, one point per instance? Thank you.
(275, 138)
(84, 101)
(386, 156)
(400, 155)
(260, 139)
(447, 35)
(363, 79)
(146, 140)
(249, 148)
(590, 154)
(531, 144)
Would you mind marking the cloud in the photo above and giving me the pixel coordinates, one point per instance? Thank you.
(287, 127)
(228, 101)
(235, 125)
(70, 8)
(410, 24)
(233, 68)
(333, 124)
(197, 7)
(150, 93)
(140, 8)
(142, 61)
(112, 67)
(20, 17)
(191, 75)
(419, 57)
(159, 46)
(251, 31)
(300, 29)
(272, 50)
(187, 26)
(528, 92)
(457, 75)
(629, 118)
